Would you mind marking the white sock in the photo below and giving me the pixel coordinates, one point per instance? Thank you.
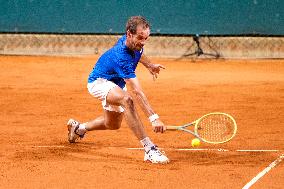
(82, 129)
(147, 143)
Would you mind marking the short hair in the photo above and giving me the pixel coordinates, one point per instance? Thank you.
(135, 21)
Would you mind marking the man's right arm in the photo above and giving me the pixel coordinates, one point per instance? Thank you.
(157, 124)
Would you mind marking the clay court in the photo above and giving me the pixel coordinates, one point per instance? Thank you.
(39, 94)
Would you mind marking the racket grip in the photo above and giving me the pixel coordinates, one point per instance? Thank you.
(170, 127)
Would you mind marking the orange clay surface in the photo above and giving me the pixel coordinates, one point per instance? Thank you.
(39, 94)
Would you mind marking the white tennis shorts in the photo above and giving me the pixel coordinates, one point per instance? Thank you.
(100, 89)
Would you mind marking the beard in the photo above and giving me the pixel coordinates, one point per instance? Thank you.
(138, 47)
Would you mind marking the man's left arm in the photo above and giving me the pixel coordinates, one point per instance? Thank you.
(154, 69)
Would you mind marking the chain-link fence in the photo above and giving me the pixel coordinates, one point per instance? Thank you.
(159, 46)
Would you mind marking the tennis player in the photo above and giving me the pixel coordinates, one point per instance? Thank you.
(107, 82)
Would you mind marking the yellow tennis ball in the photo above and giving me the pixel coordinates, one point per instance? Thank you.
(195, 142)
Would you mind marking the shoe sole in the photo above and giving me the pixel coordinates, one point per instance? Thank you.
(69, 127)
(157, 162)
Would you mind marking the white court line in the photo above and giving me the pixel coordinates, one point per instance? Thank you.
(201, 149)
(208, 149)
(177, 149)
(185, 149)
(49, 146)
(257, 150)
(262, 173)
(137, 148)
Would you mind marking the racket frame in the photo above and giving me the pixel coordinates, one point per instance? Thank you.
(195, 124)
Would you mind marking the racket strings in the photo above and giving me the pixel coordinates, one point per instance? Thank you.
(216, 128)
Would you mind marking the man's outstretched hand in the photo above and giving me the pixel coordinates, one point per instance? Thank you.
(155, 70)
(158, 126)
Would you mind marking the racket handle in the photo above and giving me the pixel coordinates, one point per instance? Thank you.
(173, 127)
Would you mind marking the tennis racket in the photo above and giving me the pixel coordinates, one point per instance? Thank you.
(213, 128)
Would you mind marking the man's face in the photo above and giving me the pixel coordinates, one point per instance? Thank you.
(137, 41)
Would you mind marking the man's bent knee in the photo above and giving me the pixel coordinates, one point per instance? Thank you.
(127, 101)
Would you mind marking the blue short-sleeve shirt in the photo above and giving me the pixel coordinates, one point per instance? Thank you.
(116, 64)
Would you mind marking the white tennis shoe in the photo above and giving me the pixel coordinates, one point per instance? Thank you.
(73, 126)
(155, 156)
